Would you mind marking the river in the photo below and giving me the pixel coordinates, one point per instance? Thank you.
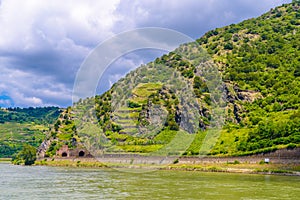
(42, 182)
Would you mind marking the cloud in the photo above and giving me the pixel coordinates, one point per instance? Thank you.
(33, 101)
(28, 89)
(43, 43)
(5, 100)
(191, 17)
(128, 62)
(53, 38)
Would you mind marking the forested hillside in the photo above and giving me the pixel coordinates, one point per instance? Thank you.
(41, 115)
(259, 63)
(24, 125)
(262, 55)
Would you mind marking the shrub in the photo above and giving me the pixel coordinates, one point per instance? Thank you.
(236, 162)
(291, 146)
(132, 104)
(228, 46)
(26, 156)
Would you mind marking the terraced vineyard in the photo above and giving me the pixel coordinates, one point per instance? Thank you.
(14, 135)
(128, 118)
(19, 126)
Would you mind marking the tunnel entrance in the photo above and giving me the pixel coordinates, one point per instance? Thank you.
(81, 153)
(64, 154)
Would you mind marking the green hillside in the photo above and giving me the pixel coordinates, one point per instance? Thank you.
(180, 96)
(260, 55)
(24, 125)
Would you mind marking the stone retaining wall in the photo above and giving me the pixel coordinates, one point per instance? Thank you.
(282, 156)
(135, 159)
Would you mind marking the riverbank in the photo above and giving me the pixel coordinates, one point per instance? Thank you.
(283, 161)
(70, 163)
(247, 168)
(6, 160)
(229, 167)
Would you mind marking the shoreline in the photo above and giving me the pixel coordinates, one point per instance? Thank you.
(280, 162)
(241, 168)
(5, 160)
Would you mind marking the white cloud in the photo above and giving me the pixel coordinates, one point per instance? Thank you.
(5, 102)
(31, 25)
(30, 89)
(22, 100)
(42, 44)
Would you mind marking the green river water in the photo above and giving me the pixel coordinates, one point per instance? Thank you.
(41, 182)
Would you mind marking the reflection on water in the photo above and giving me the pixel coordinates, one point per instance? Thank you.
(40, 182)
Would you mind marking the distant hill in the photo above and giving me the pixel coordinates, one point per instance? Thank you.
(24, 125)
(39, 115)
(259, 63)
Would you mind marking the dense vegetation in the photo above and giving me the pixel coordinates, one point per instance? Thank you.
(26, 156)
(63, 133)
(262, 55)
(259, 60)
(24, 125)
(39, 115)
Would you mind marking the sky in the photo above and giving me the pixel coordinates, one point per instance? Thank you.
(44, 43)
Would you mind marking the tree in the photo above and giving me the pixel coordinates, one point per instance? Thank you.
(228, 46)
(26, 156)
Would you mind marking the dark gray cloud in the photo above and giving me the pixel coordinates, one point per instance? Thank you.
(43, 44)
(191, 17)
